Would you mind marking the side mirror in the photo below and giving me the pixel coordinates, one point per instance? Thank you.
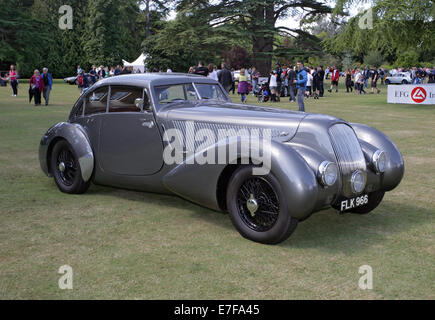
(143, 105)
(138, 103)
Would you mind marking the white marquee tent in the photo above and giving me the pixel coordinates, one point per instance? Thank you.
(139, 63)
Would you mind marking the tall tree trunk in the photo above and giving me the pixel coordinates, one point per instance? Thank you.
(262, 45)
(147, 13)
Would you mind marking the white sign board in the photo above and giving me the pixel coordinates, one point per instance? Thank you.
(412, 93)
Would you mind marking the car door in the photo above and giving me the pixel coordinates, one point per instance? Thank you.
(130, 142)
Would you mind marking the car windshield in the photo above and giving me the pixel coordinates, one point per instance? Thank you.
(210, 91)
(187, 92)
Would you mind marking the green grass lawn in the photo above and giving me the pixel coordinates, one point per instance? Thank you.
(133, 245)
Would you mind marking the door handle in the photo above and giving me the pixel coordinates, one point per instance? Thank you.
(148, 124)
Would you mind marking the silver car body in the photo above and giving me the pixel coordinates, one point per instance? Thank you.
(399, 78)
(125, 149)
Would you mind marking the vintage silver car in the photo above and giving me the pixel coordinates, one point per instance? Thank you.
(120, 133)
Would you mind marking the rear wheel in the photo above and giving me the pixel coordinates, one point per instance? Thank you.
(404, 82)
(66, 169)
(258, 208)
(387, 81)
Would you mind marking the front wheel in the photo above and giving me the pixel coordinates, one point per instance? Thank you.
(66, 169)
(404, 82)
(258, 207)
(387, 81)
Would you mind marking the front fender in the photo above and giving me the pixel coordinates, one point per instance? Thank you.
(297, 179)
(77, 138)
(372, 140)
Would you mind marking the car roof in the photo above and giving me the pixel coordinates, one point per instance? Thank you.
(146, 79)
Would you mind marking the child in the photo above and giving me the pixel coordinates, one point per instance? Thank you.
(243, 88)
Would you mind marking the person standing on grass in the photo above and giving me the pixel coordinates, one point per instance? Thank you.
(13, 80)
(225, 78)
(291, 76)
(348, 81)
(301, 84)
(243, 88)
(48, 85)
(361, 81)
(373, 84)
(212, 73)
(254, 78)
(321, 78)
(316, 80)
(233, 87)
(201, 70)
(93, 75)
(278, 71)
(273, 85)
(37, 86)
(308, 91)
(366, 74)
(83, 82)
(335, 77)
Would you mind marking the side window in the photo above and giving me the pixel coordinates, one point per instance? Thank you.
(96, 101)
(123, 99)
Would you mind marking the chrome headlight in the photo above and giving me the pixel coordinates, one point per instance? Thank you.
(328, 173)
(380, 161)
(358, 181)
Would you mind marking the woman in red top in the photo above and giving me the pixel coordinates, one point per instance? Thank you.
(13, 80)
(335, 77)
(37, 86)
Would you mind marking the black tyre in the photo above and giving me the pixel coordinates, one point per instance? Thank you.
(375, 198)
(66, 169)
(404, 82)
(387, 81)
(258, 208)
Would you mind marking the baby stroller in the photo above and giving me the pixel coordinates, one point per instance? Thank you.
(263, 93)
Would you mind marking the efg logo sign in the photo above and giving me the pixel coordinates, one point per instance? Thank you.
(412, 94)
(418, 95)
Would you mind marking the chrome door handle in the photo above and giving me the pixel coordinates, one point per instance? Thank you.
(148, 124)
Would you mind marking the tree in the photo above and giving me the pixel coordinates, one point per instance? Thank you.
(397, 26)
(103, 37)
(184, 41)
(19, 43)
(237, 58)
(347, 62)
(373, 58)
(256, 20)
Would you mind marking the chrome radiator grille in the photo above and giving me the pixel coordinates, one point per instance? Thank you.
(348, 152)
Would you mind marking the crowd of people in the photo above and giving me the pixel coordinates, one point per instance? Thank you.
(299, 82)
(86, 80)
(39, 84)
(295, 82)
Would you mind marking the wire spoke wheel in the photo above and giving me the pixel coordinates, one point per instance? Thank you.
(258, 204)
(66, 167)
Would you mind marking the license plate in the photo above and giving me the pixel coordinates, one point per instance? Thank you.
(354, 202)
